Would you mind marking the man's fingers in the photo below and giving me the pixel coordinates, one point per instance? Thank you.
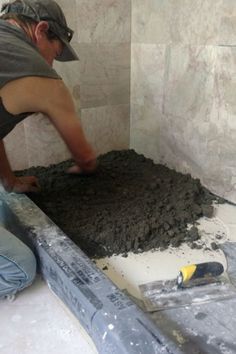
(74, 170)
(35, 183)
(85, 169)
(25, 188)
(33, 189)
(26, 185)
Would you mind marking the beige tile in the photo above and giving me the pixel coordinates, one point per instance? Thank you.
(188, 101)
(147, 87)
(105, 75)
(189, 82)
(222, 132)
(71, 76)
(107, 128)
(171, 100)
(44, 145)
(15, 146)
(227, 29)
(105, 21)
(145, 143)
(148, 64)
(176, 21)
(225, 83)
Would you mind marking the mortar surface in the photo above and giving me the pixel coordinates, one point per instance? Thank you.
(129, 204)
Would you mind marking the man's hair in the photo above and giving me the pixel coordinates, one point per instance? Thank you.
(24, 21)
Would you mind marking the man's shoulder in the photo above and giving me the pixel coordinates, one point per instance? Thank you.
(20, 58)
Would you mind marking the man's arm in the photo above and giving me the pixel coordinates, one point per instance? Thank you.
(8, 179)
(60, 110)
(51, 97)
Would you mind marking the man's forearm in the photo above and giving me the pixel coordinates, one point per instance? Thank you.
(6, 174)
(77, 143)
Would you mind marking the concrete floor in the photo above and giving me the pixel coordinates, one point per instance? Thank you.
(38, 323)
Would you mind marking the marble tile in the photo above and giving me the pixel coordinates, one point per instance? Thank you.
(147, 74)
(183, 145)
(189, 82)
(145, 143)
(187, 106)
(107, 128)
(188, 100)
(44, 145)
(227, 29)
(147, 87)
(151, 21)
(171, 101)
(222, 133)
(71, 76)
(171, 21)
(105, 74)
(105, 21)
(219, 181)
(145, 118)
(225, 83)
(16, 149)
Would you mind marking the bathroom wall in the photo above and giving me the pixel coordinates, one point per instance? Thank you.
(99, 83)
(183, 87)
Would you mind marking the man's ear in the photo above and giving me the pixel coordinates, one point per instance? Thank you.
(41, 29)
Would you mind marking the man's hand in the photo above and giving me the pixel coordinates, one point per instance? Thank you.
(23, 185)
(10, 182)
(85, 168)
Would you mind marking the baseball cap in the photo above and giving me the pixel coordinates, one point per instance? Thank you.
(50, 11)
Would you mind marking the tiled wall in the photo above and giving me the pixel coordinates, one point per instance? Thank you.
(183, 87)
(99, 83)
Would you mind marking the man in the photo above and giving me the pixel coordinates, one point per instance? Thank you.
(32, 34)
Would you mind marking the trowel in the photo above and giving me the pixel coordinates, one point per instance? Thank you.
(194, 283)
(199, 274)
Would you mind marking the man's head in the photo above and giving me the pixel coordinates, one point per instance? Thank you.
(45, 20)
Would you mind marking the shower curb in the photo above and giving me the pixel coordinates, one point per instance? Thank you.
(114, 322)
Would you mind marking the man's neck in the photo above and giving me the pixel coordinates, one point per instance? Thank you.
(13, 22)
(27, 29)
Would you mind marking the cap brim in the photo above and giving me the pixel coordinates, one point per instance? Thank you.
(68, 53)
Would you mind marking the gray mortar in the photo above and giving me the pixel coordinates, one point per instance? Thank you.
(129, 204)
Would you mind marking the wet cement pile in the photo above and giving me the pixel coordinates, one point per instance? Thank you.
(129, 204)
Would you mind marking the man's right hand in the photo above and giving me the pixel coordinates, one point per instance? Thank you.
(85, 168)
(24, 184)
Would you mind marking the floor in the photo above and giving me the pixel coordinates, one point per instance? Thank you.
(37, 322)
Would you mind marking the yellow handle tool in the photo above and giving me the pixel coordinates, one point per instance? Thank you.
(199, 274)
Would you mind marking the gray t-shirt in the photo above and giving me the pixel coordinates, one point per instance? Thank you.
(19, 58)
